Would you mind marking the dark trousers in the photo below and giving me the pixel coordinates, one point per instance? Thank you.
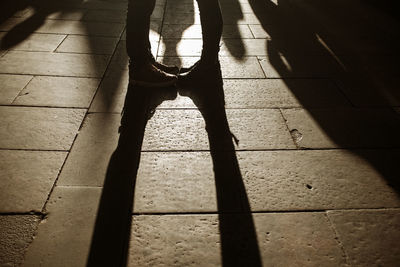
(138, 27)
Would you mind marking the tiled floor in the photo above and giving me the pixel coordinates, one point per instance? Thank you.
(312, 102)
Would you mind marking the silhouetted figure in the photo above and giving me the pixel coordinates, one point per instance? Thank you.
(145, 71)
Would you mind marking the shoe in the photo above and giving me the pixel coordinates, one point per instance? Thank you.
(148, 75)
(200, 74)
(184, 70)
(165, 68)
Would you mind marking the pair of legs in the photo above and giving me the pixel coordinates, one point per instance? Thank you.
(144, 66)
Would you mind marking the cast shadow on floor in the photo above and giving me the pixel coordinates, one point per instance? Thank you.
(110, 242)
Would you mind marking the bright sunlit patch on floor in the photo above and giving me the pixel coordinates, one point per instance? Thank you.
(275, 2)
(330, 51)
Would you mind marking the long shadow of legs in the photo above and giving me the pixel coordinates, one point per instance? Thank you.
(239, 245)
(110, 240)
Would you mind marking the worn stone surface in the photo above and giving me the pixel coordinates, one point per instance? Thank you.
(16, 233)
(293, 180)
(255, 129)
(10, 86)
(267, 93)
(63, 238)
(105, 15)
(39, 128)
(347, 127)
(42, 63)
(175, 182)
(194, 240)
(34, 42)
(27, 178)
(87, 163)
(58, 92)
(69, 27)
(111, 94)
(88, 44)
(281, 180)
(189, 31)
(299, 65)
(369, 237)
(247, 67)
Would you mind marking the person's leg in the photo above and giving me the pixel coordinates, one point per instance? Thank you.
(143, 69)
(207, 68)
(137, 30)
(211, 26)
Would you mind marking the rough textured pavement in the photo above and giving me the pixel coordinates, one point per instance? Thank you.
(312, 98)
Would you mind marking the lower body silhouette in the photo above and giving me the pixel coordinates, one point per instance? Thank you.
(143, 66)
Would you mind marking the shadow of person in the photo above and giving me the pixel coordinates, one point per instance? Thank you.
(41, 9)
(239, 245)
(327, 41)
(110, 241)
(171, 34)
(232, 13)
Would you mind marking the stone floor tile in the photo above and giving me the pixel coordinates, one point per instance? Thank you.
(176, 47)
(247, 67)
(154, 34)
(184, 130)
(332, 179)
(234, 17)
(244, 47)
(296, 239)
(301, 66)
(236, 31)
(270, 93)
(69, 27)
(277, 181)
(10, 86)
(158, 12)
(27, 178)
(111, 94)
(94, 4)
(88, 161)
(259, 32)
(64, 13)
(63, 238)
(189, 31)
(39, 128)
(345, 127)
(95, 142)
(16, 233)
(175, 182)
(58, 92)
(88, 44)
(120, 59)
(33, 42)
(181, 31)
(182, 7)
(369, 237)
(105, 15)
(181, 18)
(370, 91)
(58, 64)
(236, 7)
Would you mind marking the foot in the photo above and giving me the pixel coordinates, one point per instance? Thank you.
(148, 75)
(166, 68)
(199, 74)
